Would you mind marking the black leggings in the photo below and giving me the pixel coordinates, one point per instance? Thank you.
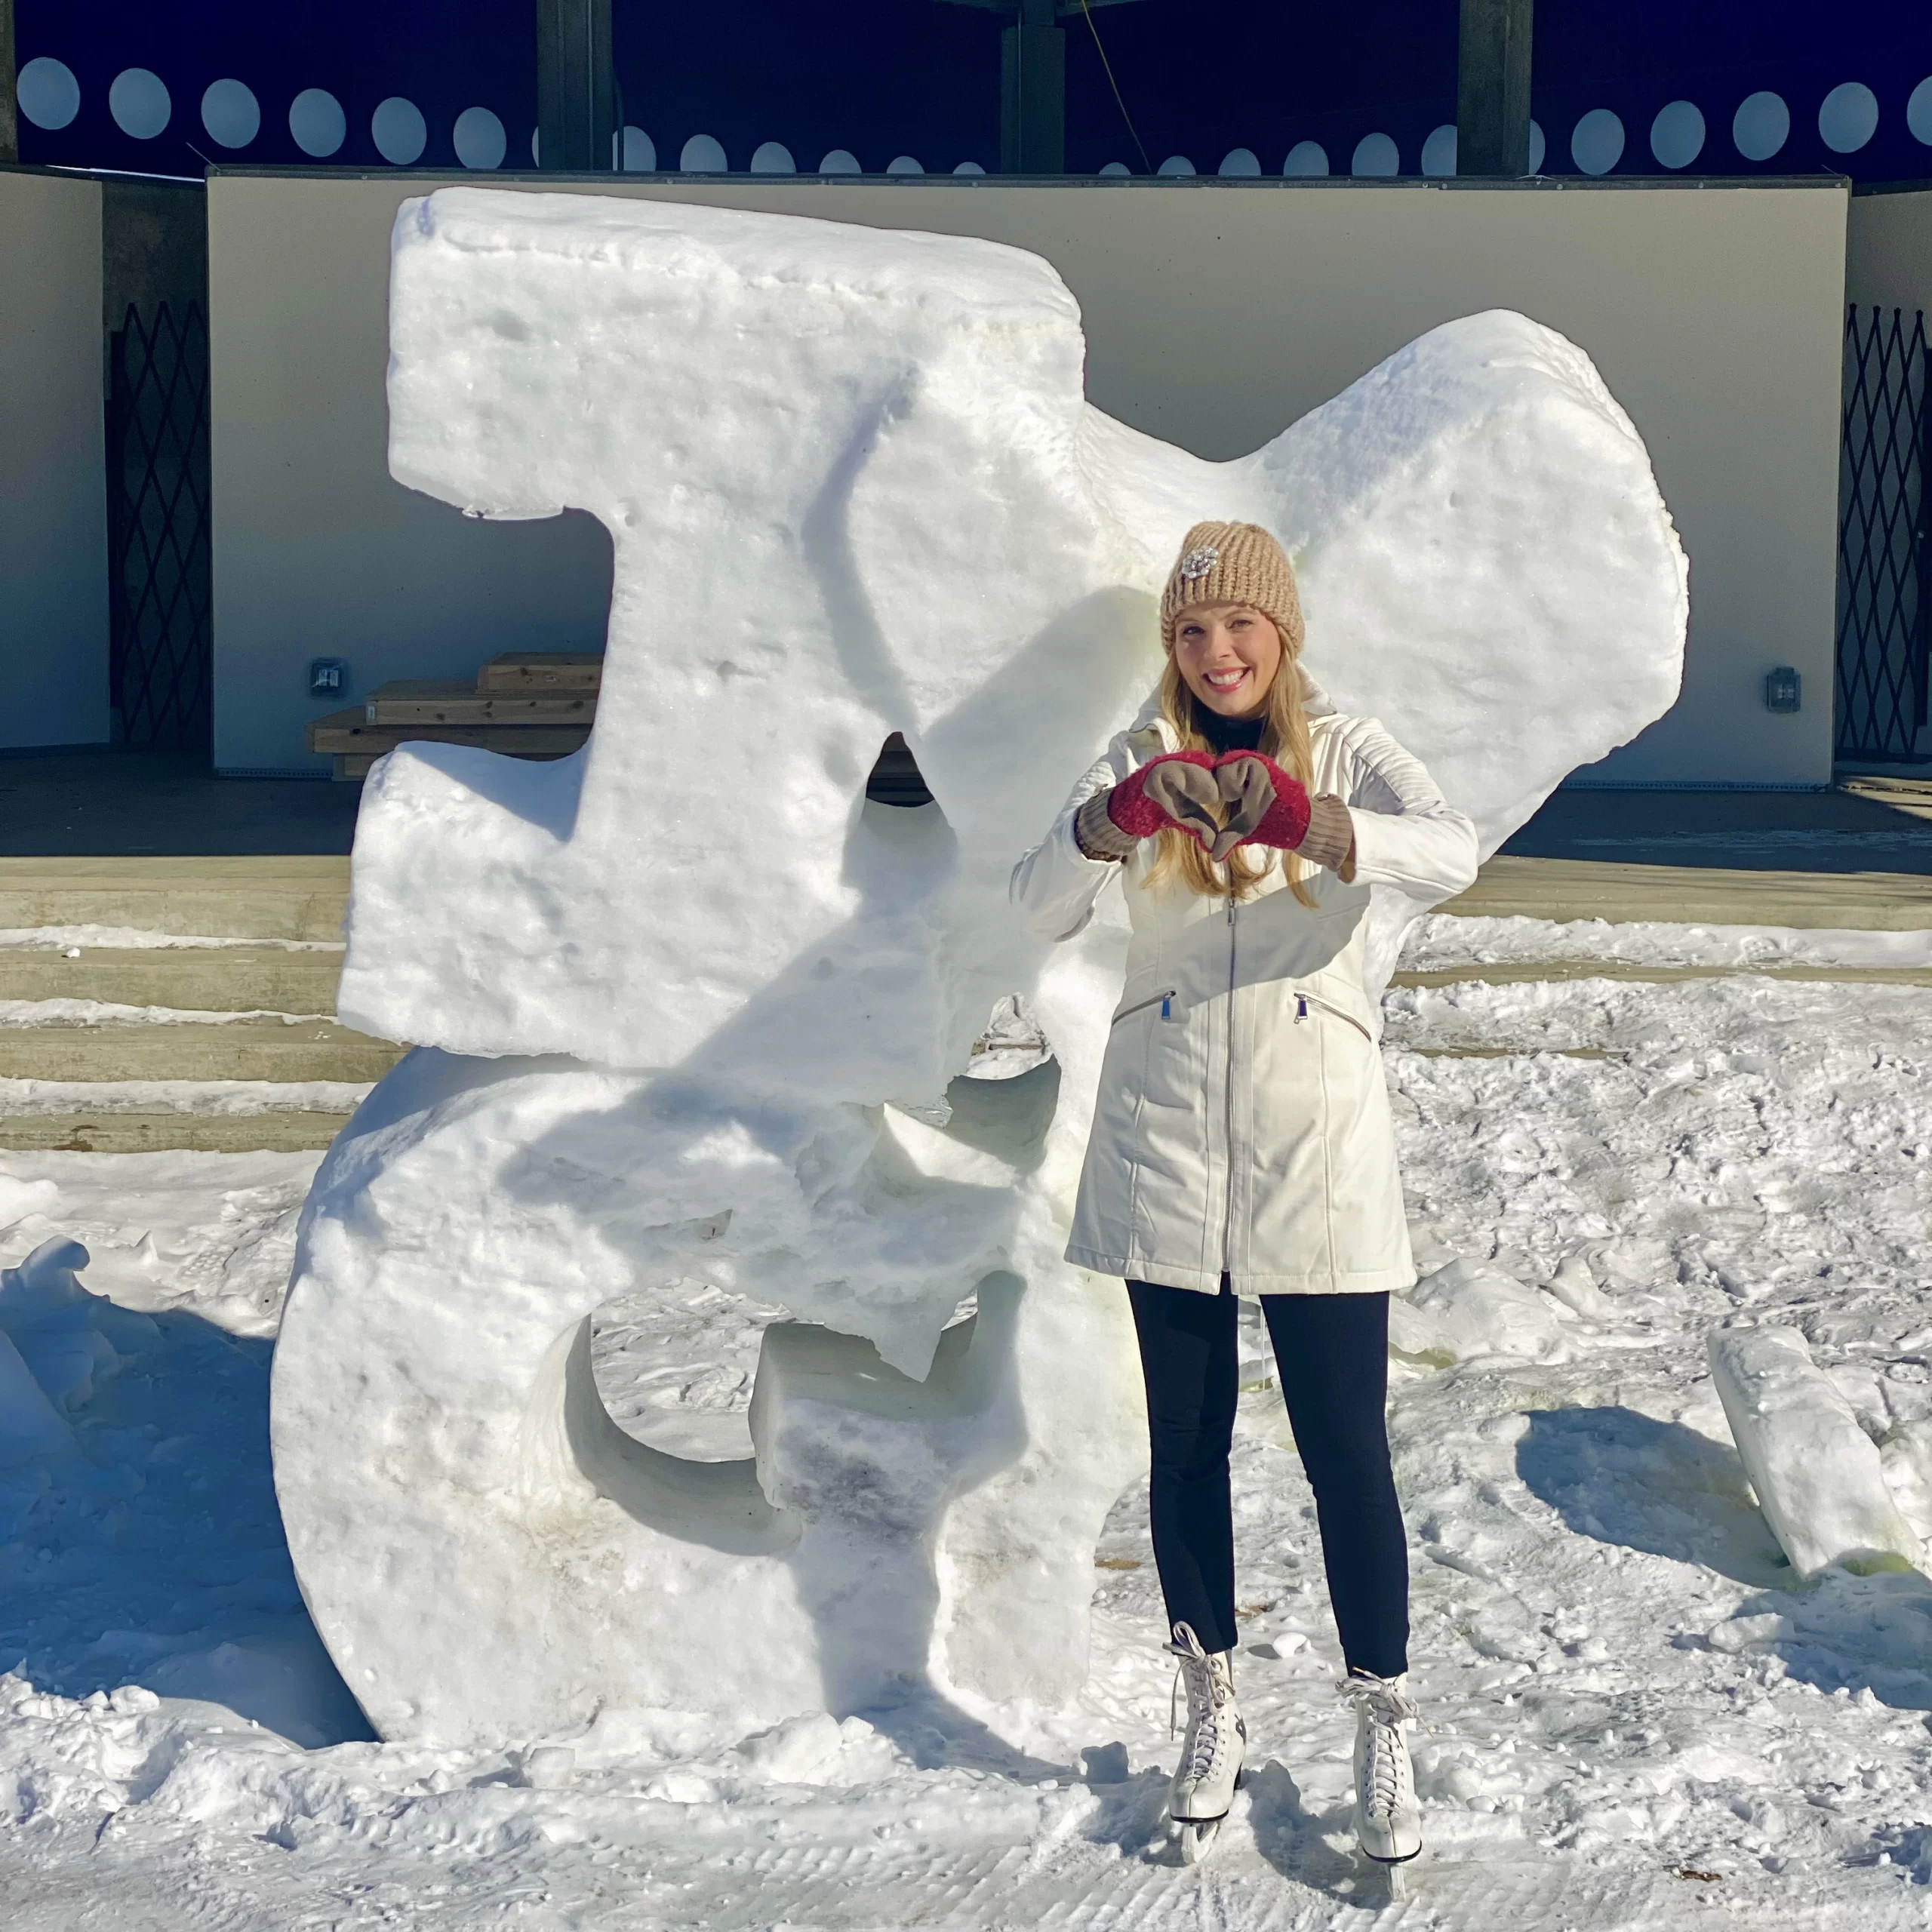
(1331, 1355)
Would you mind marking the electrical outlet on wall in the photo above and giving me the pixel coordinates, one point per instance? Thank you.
(1784, 689)
(328, 677)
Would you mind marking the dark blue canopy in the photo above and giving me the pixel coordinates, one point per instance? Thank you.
(884, 79)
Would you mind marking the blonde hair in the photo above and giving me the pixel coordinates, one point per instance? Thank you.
(1181, 860)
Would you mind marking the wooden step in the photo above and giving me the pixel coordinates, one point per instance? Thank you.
(514, 671)
(350, 738)
(350, 733)
(357, 765)
(1567, 889)
(424, 701)
(236, 1050)
(190, 978)
(299, 897)
(278, 1131)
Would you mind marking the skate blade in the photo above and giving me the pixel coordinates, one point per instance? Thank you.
(1394, 1872)
(1197, 1838)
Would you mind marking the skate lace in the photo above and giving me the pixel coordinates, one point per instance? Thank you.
(1388, 1705)
(1209, 1692)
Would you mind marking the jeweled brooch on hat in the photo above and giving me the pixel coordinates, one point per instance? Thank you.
(1198, 563)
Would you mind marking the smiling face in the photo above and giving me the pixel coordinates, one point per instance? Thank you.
(1227, 654)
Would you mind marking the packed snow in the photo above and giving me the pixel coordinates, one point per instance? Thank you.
(853, 487)
(75, 940)
(223, 1097)
(17, 1013)
(1635, 1712)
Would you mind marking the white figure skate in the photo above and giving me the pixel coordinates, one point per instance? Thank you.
(1388, 1820)
(1212, 1753)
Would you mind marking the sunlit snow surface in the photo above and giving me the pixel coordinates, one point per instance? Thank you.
(1632, 1716)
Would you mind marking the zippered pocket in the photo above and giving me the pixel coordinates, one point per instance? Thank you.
(1164, 1001)
(1304, 1001)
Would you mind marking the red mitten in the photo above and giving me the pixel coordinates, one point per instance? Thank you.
(1264, 805)
(1175, 797)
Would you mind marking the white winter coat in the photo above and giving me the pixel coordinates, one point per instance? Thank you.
(1242, 1125)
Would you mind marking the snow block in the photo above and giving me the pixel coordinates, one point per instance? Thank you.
(71, 1340)
(1469, 1310)
(1819, 1477)
(691, 1005)
(488, 1555)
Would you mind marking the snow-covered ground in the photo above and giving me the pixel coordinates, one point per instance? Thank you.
(1633, 1717)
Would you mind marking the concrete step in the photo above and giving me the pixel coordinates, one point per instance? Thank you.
(299, 897)
(239, 1050)
(198, 979)
(281, 1132)
(1566, 889)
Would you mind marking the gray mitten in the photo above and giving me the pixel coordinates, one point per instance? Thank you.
(1262, 804)
(1177, 788)
(1188, 794)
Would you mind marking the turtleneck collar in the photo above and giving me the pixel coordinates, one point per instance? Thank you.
(1229, 734)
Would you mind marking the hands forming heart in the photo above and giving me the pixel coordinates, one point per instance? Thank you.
(1243, 797)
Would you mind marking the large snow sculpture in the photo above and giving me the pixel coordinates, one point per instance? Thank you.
(854, 488)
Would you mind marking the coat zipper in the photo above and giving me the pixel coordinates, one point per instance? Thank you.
(1228, 1213)
(1304, 1001)
(1165, 1000)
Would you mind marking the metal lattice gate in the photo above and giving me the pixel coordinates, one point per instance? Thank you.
(159, 588)
(1885, 605)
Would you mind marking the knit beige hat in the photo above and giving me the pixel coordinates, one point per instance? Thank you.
(1233, 563)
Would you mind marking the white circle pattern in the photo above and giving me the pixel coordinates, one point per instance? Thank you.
(1919, 112)
(140, 103)
(399, 132)
(479, 139)
(231, 113)
(1761, 126)
(48, 94)
(1375, 156)
(1847, 117)
(1596, 142)
(1677, 134)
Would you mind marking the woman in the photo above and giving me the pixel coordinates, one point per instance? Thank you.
(1242, 1143)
